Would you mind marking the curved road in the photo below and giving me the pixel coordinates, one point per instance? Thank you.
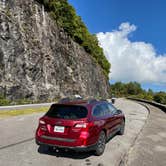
(18, 148)
(150, 147)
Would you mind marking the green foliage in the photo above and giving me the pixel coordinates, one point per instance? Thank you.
(160, 97)
(23, 101)
(118, 89)
(66, 17)
(133, 89)
(4, 101)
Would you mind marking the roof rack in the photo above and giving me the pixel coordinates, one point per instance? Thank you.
(80, 100)
(64, 100)
(104, 100)
(91, 101)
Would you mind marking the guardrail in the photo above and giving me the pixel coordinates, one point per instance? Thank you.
(161, 106)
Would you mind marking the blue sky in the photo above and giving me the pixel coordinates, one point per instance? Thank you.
(144, 25)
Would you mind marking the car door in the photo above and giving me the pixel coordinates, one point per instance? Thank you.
(107, 118)
(98, 120)
(110, 119)
(116, 117)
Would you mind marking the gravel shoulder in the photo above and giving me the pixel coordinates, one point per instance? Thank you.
(18, 148)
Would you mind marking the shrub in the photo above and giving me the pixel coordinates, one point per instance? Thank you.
(160, 97)
(4, 101)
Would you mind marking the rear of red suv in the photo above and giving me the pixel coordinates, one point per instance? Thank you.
(65, 126)
(72, 126)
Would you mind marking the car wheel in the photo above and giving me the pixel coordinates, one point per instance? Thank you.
(100, 144)
(122, 128)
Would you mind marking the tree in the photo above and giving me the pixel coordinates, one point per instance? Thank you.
(118, 89)
(133, 88)
(160, 97)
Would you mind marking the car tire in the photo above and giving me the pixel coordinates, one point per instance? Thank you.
(122, 128)
(100, 146)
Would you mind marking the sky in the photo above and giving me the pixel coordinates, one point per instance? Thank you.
(132, 35)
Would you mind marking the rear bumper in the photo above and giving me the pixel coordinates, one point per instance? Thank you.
(75, 148)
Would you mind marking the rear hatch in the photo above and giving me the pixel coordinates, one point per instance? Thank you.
(64, 121)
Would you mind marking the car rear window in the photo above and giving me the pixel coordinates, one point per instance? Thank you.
(67, 112)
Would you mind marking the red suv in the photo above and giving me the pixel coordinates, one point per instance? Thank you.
(80, 125)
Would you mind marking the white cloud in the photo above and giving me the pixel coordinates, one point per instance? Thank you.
(132, 61)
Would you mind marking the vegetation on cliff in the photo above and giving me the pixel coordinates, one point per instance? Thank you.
(65, 16)
(134, 89)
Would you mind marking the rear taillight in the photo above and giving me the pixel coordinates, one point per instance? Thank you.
(43, 128)
(84, 125)
(42, 122)
(84, 134)
(81, 125)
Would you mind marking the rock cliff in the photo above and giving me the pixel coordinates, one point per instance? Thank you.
(38, 60)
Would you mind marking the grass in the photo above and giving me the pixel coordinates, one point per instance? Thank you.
(10, 113)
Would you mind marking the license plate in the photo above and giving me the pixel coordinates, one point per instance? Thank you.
(59, 129)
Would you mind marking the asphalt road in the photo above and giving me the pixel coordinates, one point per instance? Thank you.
(18, 148)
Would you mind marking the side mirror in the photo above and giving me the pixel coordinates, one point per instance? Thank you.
(118, 112)
(113, 100)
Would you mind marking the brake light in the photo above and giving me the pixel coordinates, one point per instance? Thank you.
(43, 128)
(84, 134)
(42, 122)
(42, 125)
(81, 125)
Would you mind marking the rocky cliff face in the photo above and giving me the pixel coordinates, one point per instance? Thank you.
(38, 60)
